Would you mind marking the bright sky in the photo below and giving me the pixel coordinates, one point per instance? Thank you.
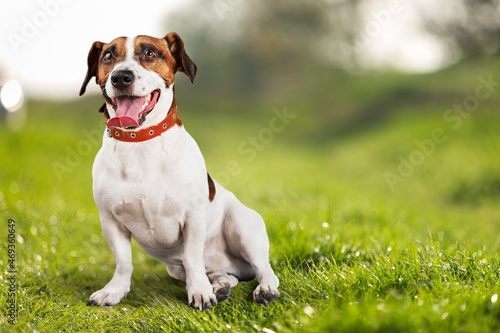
(44, 43)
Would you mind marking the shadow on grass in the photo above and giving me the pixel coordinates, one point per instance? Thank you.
(145, 290)
(151, 289)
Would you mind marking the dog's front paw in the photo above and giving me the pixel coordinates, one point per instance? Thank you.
(106, 297)
(265, 294)
(202, 299)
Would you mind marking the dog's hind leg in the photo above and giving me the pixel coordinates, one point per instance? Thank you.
(222, 284)
(248, 239)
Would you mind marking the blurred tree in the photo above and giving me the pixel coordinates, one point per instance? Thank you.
(255, 50)
(261, 42)
(469, 27)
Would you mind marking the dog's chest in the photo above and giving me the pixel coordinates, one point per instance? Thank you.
(144, 192)
(153, 222)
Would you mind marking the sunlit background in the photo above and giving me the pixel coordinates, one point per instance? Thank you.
(45, 42)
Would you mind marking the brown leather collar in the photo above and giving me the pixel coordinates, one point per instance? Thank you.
(147, 133)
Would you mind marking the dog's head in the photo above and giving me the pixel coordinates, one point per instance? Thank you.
(136, 76)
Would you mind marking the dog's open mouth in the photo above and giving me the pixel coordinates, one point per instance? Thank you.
(131, 111)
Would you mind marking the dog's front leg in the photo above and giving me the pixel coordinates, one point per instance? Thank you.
(199, 289)
(118, 287)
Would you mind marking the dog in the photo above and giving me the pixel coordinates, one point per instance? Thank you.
(150, 182)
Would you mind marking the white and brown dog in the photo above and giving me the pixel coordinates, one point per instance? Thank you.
(150, 182)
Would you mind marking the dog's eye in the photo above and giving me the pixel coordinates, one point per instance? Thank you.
(107, 57)
(150, 54)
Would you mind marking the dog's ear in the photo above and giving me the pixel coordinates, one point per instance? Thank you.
(183, 62)
(92, 63)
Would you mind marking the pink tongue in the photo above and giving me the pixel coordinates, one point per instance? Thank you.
(128, 109)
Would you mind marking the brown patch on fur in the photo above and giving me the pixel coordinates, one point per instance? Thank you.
(163, 63)
(179, 121)
(97, 67)
(104, 109)
(118, 49)
(183, 62)
(92, 64)
(211, 188)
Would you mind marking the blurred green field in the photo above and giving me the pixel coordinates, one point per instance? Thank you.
(354, 251)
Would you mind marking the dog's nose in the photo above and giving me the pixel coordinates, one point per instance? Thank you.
(122, 79)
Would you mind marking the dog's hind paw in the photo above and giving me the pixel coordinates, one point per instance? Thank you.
(222, 291)
(265, 294)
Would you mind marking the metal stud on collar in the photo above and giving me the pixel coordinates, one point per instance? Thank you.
(132, 135)
(151, 132)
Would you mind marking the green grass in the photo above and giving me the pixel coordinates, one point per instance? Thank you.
(351, 254)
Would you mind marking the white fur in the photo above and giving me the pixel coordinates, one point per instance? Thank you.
(157, 192)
